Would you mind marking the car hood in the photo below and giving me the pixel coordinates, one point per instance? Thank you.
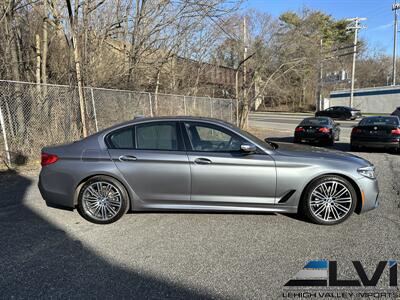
(303, 151)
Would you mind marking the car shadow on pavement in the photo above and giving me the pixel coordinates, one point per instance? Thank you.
(40, 260)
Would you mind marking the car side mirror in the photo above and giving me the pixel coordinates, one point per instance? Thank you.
(248, 148)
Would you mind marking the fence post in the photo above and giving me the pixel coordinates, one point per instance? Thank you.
(231, 106)
(94, 110)
(237, 111)
(151, 105)
(184, 104)
(3, 128)
(211, 107)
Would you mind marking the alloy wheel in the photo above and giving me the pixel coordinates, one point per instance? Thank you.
(101, 200)
(331, 201)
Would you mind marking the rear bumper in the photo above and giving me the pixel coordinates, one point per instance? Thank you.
(370, 191)
(53, 197)
(381, 143)
(314, 137)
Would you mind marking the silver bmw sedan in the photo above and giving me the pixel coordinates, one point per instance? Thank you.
(193, 164)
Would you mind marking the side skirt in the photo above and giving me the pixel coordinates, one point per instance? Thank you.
(149, 206)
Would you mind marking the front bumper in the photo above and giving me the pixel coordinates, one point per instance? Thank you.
(356, 116)
(370, 193)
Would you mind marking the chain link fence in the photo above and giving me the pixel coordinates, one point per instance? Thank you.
(36, 115)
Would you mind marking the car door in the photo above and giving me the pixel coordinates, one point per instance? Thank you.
(327, 112)
(152, 159)
(334, 112)
(221, 173)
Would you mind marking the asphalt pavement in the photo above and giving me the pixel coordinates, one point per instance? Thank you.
(52, 253)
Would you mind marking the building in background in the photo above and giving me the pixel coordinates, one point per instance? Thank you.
(383, 99)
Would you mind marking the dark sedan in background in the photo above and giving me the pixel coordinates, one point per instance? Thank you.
(377, 132)
(340, 112)
(396, 112)
(317, 130)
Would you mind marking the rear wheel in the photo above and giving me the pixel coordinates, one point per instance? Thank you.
(354, 147)
(102, 200)
(331, 142)
(329, 200)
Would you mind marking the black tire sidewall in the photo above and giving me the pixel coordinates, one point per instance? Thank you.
(118, 185)
(305, 207)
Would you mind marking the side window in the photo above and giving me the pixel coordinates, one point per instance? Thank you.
(209, 138)
(122, 138)
(157, 136)
(329, 109)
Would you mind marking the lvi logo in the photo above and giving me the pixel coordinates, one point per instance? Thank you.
(325, 273)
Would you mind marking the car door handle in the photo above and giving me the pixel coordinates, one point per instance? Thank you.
(127, 158)
(202, 161)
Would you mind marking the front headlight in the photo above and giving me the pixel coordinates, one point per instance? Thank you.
(367, 172)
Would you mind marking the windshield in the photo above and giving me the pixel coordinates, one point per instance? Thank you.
(315, 122)
(374, 121)
(252, 137)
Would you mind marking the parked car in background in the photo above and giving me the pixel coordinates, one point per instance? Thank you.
(377, 132)
(340, 112)
(396, 112)
(317, 130)
(190, 163)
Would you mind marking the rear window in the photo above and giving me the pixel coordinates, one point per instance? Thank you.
(315, 122)
(375, 121)
(122, 138)
(157, 136)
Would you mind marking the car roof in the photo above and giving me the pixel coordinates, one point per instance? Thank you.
(376, 117)
(139, 120)
(387, 116)
(321, 117)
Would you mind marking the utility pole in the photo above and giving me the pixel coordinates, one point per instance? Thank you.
(320, 80)
(245, 106)
(395, 7)
(356, 26)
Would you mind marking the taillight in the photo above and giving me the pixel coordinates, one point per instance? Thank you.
(48, 159)
(355, 130)
(299, 129)
(396, 131)
(324, 129)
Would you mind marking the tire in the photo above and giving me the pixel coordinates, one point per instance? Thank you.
(328, 211)
(338, 137)
(98, 207)
(331, 142)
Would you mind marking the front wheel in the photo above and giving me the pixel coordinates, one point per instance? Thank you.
(102, 200)
(329, 200)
